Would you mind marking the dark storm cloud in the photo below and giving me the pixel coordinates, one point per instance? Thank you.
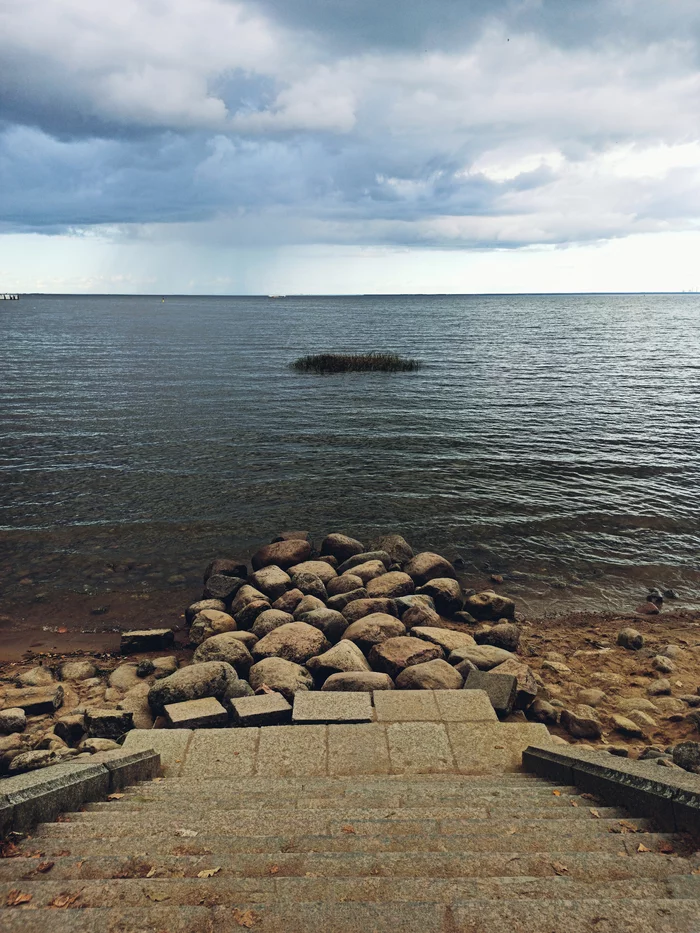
(450, 124)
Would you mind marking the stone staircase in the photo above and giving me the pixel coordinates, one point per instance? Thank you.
(237, 837)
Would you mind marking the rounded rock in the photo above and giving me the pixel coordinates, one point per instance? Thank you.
(397, 547)
(284, 554)
(205, 679)
(369, 570)
(288, 601)
(359, 608)
(630, 638)
(219, 586)
(391, 585)
(446, 594)
(341, 546)
(296, 642)
(226, 567)
(427, 566)
(78, 670)
(422, 617)
(488, 606)
(283, 676)
(12, 720)
(192, 611)
(358, 682)
(505, 635)
(225, 647)
(430, 675)
(394, 655)
(307, 604)
(343, 584)
(310, 585)
(269, 620)
(250, 612)
(345, 657)
(331, 623)
(373, 629)
(271, 581)
(209, 622)
(319, 568)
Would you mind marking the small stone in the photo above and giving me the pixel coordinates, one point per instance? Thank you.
(283, 554)
(341, 601)
(98, 745)
(165, 666)
(620, 751)
(660, 687)
(663, 664)
(542, 711)
(226, 567)
(246, 594)
(226, 648)
(404, 603)
(345, 584)
(446, 594)
(430, 675)
(288, 601)
(391, 585)
(308, 604)
(483, 657)
(268, 709)
(428, 566)
(280, 675)
(310, 585)
(295, 642)
(556, 667)
(487, 606)
(353, 681)
(269, 620)
(147, 640)
(626, 726)
(36, 677)
(341, 547)
(592, 696)
(145, 668)
(644, 720)
(271, 581)
(196, 714)
(319, 568)
(373, 629)
(192, 611)
(393, 655)
(125, 676)
(344, 657)
(421, 617)
(245, 617)
(108, 723)
(332, 624)
(466, 618)
(220, 586)
(31, 761)
(447, 639)
(692, 700)
(687, 756)
(70, 729)
(674, 652)
(505, 635)
(369, 571)
(581, 722)
(501, 690)
(651, 752)
(647, 609)
(12, 720)
(526, 684)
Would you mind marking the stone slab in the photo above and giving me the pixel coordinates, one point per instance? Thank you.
(319, 708)
(156, 639)
(419, 747)
(222, 753)
(292, 751)
(39, 796)
(464, 706)
(268, 709)
(406, 706)
(493, 748)
(358, 749)
(171, 745)
(127, 768)
(196, 714)
(501, 689)
(670, 797)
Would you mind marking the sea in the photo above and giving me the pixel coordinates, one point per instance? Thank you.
(552, 439)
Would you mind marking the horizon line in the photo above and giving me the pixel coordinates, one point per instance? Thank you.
(338, 294)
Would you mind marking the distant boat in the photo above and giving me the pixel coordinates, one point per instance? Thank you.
(6, 297)
(276, 296)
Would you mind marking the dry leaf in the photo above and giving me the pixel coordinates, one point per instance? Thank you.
(347, 829)
(245, 918)
(15, 898)
(151, 872)
(274, 869)
(43, 867)
(557, 793)
(157, 895)
(627, 827)
(61, 631)
(559, 868)
(595, 813)
(65, 900)
(588, 796)
(695, 871)
(573, 803)
(208, 872)
(641, 848)
(666, 848)
(512, 831)
(115, 796)
(156, 780)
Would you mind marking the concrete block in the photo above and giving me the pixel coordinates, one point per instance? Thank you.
(222, 752)
(196, 714)
(310, 708)
(35, 700)
(289, 751)
(155, 639)
(406, 706)
(171, 745)
(268, 709)
(358, 749)
(125, 768)
(108, 723)
(501, 690)
(39, 796)
(464, 706)
(419, 748)
(492, 748)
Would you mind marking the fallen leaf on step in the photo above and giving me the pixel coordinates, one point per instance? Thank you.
(115, 796)
(595, 813)
(512, 831)
(43, 867)
(208, 872)
(557, 793)
(65, 900)
(642, 848)
(347, 829)
(157, 896)
(189, 833)
(274, 869)
(573, 803)
(666, 848)
(695, 871)
(625, 827)
(157, 780)
(588, 796)
(559, 868)
(15, 898)
(245, 918)
(151, 872)
(9, 850)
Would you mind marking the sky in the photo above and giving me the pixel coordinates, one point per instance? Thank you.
(349, 146)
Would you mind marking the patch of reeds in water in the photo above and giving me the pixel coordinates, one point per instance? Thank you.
(355, 363)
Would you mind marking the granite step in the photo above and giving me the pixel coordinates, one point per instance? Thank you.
(601, 866)
(620, 915)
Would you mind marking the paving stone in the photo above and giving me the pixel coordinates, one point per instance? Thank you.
(501, 689)
(464, 706)
(216, 752)
(154, 639)
(358, 749)
(293, 751)
(268, 709)
(312, 708)
(483, 748)
(419, 748)
(171, 745)
(196, 714)
(406, 706)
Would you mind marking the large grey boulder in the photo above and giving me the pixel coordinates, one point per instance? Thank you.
(358, 681)
(284, 554)
(285, 677)
(359, 608)
(295, 642)
(397, 547)
(391, 585)
(341, 546)
(210, 622)
(269, 620)
(396, 654)
(206, 679)
(446, 594)
(373, 629)
(225, 647)
(331, 623)
(428, 566)
(487, 606)
(271, 581)
(430, 675)
(345, 657)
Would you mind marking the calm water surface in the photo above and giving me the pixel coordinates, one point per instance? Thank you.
(554, 439)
